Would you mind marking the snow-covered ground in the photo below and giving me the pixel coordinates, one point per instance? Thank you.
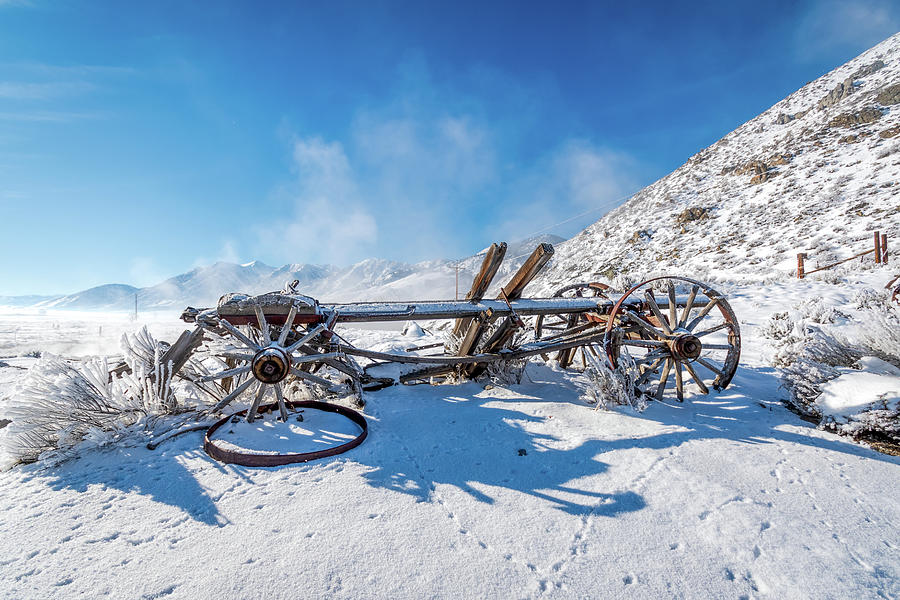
(725, 496)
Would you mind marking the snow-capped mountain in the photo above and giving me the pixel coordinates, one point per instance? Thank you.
(370, 279)
(816, 173)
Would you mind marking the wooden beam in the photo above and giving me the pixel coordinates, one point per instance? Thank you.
(489, 266)
(528, 271)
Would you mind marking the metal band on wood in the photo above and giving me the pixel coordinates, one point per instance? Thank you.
(248, 459)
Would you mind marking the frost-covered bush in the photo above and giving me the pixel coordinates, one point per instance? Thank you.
(778, 327)
(60, 404)
(816, 311)
(866, 354)
(868, 298)
(614, 388)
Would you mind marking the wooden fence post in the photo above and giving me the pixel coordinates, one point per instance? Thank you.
(884, 252)
(877, 248)
(800, 270)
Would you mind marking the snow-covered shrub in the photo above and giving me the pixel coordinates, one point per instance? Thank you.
(778, 327)
(880, 332)
(870, 298)
(849, 386)
(59, 404)
(816, 311)
(614, 388)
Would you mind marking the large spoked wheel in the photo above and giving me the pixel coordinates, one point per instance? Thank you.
(265, 359)
(549, 327)
(680, 334)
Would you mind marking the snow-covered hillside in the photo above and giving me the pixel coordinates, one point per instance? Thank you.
(816, 173)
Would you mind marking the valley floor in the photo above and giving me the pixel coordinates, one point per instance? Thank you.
(725, 496)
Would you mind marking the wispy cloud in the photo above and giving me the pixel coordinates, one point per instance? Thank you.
(432, 172)
(574, 184)
(851, 24)
(329, 219)
(43, 91)
(49, 116)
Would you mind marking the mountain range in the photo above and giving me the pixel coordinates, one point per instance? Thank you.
(370, 279)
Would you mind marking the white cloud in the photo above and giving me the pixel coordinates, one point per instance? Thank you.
(42, 91)
(329, 222)
(854, 24)
(573, 185)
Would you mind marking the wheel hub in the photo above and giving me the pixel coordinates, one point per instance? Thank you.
(271, 365)
(686, 346)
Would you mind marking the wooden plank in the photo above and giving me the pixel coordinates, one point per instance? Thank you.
(528, 271)
(877, 248)
(179, 352)
(489, 266)
(475, 331)
(513, 290)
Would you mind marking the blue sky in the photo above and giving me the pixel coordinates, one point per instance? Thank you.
(139, 140)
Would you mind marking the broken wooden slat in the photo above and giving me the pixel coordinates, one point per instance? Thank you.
(178, 353)
(489, 266)
(505, 332)
(474, 332)
(528, 271)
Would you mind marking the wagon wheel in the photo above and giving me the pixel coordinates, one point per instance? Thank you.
(673, 338)
(263, 359)
(556, 325)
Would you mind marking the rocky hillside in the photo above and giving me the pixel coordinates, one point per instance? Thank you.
(816, 173)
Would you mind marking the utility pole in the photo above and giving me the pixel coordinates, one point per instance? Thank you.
(457, 281)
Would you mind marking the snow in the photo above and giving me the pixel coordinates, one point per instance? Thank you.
(728, 495)
(875, 381)
(318, 430)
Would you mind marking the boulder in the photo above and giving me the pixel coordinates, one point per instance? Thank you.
(866, 115)
(868, 69)
(783, 119)
(889, 95)
(692, 214)
(843, 89)
(889, 133)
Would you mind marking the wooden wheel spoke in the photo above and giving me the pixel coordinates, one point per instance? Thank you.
(701, 360)
(717, 346)
(673, 309)
(263, 324)
(705, 311)
(234, 394)
(239, 335)
(251, 414)
(651, 356)
(223, 374)
(679, 382)
(310, 377)
(696, 378)
(316, 357)
(288, 322)
(663, 378)
(718, 327)
(645, 343)
(310, 335)
(654, 308)
(279, 396)
(649, 371)
(644, 325)
(689, 305)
